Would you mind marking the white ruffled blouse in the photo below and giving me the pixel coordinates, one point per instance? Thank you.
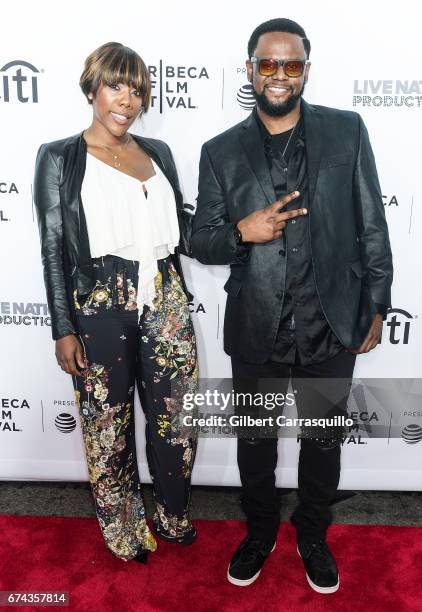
(123, 221)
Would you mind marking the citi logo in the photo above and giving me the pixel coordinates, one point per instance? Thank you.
(19, 82)
(399, 325)
(245, 97)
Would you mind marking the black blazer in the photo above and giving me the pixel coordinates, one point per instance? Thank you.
(351, 255)
(59, 173)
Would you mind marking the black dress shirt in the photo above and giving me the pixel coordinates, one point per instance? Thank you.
(304, 335)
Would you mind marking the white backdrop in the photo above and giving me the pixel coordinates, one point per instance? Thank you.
(365, 57)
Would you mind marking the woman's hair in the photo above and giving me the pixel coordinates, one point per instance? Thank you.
(114, 63)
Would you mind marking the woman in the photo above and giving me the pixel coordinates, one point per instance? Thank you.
(112, 224)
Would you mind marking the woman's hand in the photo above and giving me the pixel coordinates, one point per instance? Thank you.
(69, 355)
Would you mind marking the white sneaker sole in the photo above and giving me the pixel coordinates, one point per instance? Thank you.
(247, 582)
(319, 589)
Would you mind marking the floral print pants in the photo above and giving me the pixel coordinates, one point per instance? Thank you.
(157, 355)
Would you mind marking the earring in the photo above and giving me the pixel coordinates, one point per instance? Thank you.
(90, 96)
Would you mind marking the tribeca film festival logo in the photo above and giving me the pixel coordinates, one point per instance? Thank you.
(19, 82)
(390, 200)
(387, 93)
(7, 188)
(24, 313)
(9, 406)
(196, 307)
(171, 85)
(362, 420)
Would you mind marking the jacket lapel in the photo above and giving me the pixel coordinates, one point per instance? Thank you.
(152, 151)
(251, 141)
(314, 132)
(84, 250)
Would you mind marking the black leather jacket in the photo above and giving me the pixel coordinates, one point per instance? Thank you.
(66, 258)
(350, 248)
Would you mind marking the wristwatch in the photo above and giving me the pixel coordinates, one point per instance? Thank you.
(237, 235)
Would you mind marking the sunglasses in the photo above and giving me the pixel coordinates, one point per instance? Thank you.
(268, 67)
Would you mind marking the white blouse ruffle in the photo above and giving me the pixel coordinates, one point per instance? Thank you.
(122, 221)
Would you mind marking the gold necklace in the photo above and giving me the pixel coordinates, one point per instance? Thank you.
(116, 158)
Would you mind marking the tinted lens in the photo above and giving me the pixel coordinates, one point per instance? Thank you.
(293, 68)
(267, 67)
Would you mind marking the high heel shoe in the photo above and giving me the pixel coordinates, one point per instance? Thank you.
(141, 557)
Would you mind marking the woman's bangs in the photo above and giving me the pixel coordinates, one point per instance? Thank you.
(126, 69)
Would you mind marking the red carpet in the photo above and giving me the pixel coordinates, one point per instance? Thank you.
(380, 569)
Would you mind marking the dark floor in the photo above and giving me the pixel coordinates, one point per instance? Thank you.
(74, 499)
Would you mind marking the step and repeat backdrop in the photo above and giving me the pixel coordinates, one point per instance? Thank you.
(365, 57)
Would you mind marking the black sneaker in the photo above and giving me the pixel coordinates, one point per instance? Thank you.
(320, 566)
(247, 561)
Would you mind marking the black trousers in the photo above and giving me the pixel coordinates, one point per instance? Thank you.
(321, 390)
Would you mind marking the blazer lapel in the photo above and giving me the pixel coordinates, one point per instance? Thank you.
(251, 141)
(314, 134)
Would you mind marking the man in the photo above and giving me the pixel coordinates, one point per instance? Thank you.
(291, 200)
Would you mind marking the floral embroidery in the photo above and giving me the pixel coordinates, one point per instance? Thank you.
(119, 507)
(169, 324)
(103, 294)
(171, 525)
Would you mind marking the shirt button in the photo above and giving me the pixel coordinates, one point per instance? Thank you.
(284, 169)
(293, 221)
(282, 252)
(294, 250)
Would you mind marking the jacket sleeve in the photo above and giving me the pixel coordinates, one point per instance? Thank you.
(47, 203)
(184, 211)
(373, 230)
(213, 240)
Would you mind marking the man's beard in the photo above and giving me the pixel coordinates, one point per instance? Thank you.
(277, 109)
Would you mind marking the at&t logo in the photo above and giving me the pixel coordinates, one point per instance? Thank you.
(19, 82)
(65, 422)
(412, 434)
(245, 97)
